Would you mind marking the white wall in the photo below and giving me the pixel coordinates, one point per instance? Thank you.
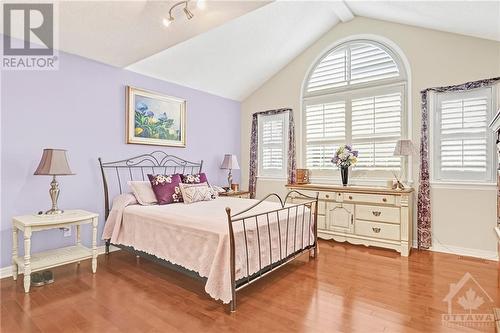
(463, 218)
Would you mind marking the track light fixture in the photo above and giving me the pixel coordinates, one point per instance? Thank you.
(189, 14)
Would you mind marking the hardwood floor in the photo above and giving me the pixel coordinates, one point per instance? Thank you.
(347, 289)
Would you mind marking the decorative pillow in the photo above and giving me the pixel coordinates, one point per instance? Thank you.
(196, 178)
(143, 192)
(166, 188)
(196, 192)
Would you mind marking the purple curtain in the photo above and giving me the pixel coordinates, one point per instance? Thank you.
(254, 149)
(424, 199)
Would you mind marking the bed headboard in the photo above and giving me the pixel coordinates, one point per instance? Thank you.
(137, 168)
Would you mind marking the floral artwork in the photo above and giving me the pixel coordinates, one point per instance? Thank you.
(345, 156)
(155, 119)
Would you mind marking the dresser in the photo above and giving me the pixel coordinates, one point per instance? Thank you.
(370, 216)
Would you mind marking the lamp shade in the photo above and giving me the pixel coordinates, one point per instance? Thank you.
(53, 162)
(230, 162)
(403, 148)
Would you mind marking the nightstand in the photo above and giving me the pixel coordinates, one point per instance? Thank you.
(236, 194)
(52, 258)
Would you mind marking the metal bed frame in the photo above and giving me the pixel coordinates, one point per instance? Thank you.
(134, 169)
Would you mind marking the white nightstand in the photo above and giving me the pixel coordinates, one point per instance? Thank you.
(52, 258)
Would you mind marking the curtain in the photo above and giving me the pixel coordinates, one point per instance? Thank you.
(424, 237)
(254, 149)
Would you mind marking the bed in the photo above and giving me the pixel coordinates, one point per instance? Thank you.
(228, 242)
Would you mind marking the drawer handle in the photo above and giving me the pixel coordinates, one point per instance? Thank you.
(376, 213)
(327, 196)
(384, 199)
(350, 197)
(376, 230)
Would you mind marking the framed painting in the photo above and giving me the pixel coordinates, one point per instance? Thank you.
(155, 119)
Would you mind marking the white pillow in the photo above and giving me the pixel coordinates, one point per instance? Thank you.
(196, 192)
(143, 192)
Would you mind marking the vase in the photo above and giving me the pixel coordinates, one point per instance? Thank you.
(344, 172)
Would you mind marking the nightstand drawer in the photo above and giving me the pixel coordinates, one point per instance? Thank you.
(378, 213)
(369, 198)
(378, 230)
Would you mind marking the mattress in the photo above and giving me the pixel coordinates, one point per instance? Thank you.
(196, 236)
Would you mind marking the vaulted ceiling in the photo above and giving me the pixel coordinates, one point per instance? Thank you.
(232, 47)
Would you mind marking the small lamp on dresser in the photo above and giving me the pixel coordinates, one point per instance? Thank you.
(230, 162)
(403, 148)
(54, 163)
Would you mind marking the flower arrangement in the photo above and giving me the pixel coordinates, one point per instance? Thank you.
(345, 156)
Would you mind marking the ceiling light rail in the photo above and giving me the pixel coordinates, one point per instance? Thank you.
(201, 4)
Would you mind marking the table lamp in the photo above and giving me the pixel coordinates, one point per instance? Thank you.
(230, 162)
(53, 163)
(403, 148)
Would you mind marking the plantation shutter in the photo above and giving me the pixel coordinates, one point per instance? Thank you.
(272, 144)
(331, 72)
(376, 127)
(369, 63)
(462, 135)
(355, 95)
(325, 127)
(352, 64)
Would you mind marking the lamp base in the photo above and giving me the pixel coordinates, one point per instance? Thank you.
(54, 212)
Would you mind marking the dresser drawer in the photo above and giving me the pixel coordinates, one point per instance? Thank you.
(378, 213)
(369, 198)
(377, 230)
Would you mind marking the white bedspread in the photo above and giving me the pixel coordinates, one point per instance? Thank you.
(196, 236)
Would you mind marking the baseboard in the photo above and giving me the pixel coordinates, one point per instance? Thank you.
(463, 251)
(7, 271)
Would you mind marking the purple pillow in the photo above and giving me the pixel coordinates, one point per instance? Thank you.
(166, 188)
(196, 178)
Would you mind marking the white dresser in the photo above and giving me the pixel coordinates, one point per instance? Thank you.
(371, 216)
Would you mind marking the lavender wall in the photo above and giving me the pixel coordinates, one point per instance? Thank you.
(81, 107)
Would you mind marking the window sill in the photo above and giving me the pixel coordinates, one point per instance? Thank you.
(463, 185)
(272, 178)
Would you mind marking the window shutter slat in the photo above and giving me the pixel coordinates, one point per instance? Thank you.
(462, 146)
(272, 145)
(365, 62)
(376, 116)
(324, 122)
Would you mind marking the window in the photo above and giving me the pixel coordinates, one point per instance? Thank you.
(355, 95)
(273, 143)
(461, 141)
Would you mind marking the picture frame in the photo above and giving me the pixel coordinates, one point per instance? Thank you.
(155, 119)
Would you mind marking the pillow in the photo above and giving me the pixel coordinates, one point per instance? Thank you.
(196, 178)
(143, 192)
(196, 192)
(166, 188)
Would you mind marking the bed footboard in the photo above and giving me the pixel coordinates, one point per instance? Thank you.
(285, 254)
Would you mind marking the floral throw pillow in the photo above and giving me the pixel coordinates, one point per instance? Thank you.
(196, 192)
(166, 188)
(196, 178)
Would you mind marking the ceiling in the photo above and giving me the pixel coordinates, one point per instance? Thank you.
(232, 47)
(236, 58)
(473, 18)
(122, 32)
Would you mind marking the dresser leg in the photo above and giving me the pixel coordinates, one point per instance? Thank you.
(405, 250)
(14, 253)
(94, 245)
(27, 258)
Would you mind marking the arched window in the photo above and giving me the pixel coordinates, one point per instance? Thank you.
(355, 94)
